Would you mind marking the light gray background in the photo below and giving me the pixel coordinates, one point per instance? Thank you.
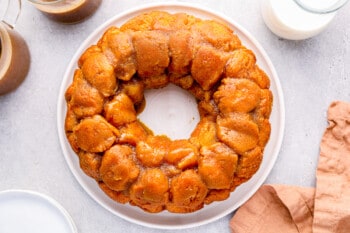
(313, 73)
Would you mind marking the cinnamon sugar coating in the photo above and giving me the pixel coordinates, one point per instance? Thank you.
(153, 172)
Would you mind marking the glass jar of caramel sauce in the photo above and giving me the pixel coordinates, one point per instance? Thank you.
(14, 52)
(67, 11)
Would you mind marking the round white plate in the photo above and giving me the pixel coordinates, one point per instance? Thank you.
(214, 211)
(32, 212)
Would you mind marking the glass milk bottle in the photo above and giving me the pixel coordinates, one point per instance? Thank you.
(299, 19)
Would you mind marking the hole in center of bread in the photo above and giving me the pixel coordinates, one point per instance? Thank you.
(170, 111)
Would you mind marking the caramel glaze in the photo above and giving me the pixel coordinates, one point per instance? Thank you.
(76, 14)
(17, 51)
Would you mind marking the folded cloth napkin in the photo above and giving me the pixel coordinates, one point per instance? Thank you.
(291, 209)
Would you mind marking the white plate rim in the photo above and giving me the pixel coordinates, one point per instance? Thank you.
(278, 112)
(44, 198)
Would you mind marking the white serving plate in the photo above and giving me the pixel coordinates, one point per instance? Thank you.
(214, 211)
(32, 212)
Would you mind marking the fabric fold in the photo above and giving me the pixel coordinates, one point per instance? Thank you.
(292, 209)
(300, 203)
(332, 199)
(275, 209)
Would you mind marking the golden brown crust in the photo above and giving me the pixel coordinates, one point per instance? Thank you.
(120, 110)
(117, 169)
(187, 192)
(238, 131)
(121, 196)
(153, 172)
(152, 150)
(90, 163)
(180, 48)
(217, 195)
(134, 89)
(94, 134)
(240, 62)
(207, 66)
(150, 192)
(132, 133)
(217, 34)
(84, 100)
(100, 74)
(205, 133)
(248, 164)
(182, 154)
(152, 51)
(237, 95)
(217, 165)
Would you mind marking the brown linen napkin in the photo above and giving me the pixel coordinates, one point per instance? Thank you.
(332, 199)
(276, 209)
(281, 208)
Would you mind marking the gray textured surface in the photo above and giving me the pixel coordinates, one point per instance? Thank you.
(313, 73)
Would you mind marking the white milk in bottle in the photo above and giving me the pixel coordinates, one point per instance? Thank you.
(288, 20)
